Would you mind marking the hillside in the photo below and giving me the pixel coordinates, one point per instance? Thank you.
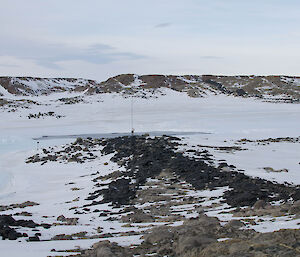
(275, 88)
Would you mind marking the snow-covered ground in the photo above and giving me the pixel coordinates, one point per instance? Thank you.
(222, 115)
(226, 119)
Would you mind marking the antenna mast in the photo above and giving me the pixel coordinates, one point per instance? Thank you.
(132, 129)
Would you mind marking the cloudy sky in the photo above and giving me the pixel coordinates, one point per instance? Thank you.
(97, 39)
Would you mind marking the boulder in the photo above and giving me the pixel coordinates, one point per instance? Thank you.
(159, 235)
(259, 204)
(235, 224)
(186, 244)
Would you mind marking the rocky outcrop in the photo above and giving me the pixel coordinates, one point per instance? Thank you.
(146, 158)
(8, 227)
(17, 205)
(282, 243)
(107, 249)
(205, 237)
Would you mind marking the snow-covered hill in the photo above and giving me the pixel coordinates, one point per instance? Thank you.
(268, 87)
(28, 86)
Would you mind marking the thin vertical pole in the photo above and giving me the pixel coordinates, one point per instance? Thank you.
(132, 129)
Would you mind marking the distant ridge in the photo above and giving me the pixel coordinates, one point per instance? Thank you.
(283, 87)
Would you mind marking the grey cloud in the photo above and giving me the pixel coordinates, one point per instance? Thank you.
(163, 25)
(49, 55)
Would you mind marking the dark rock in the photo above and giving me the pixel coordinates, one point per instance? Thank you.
(46, 226)
(259, 204)
(159, 235)
(67, 221)
(107, 249)
(62, 237)
(240, 92)
(296, 195)
(194, 243)
(295, 208)
(147, 157)
(7, 232)
(235, 223)
(26, 223)
(33, 239)
(7, 220)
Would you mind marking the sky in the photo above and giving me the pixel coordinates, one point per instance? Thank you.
(98, 39)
